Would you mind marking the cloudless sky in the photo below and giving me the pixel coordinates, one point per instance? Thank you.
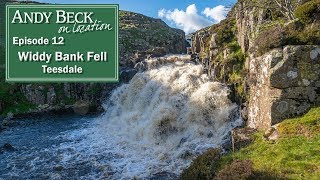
(149, 7)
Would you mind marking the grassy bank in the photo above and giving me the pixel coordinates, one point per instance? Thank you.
(294, 155)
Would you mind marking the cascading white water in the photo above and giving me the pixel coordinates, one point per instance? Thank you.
(166, 116)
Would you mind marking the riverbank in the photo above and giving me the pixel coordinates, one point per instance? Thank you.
(46, 111)
(288, 151)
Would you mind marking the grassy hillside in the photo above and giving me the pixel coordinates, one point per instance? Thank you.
(294, 155)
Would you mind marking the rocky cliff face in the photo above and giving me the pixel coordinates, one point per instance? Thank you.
(142, 37)
(284, 83)
(267, 61)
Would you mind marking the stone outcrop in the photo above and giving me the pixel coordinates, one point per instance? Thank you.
(283, 83)
(198, 40)
(241, 137)
(49, 96)
(249, 18)
(81, 107)
(142, 37)
(275, 79)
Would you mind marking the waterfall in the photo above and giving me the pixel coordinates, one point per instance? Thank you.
(166, 116)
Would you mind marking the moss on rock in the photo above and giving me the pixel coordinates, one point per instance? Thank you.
(203, 167)
(309, 11)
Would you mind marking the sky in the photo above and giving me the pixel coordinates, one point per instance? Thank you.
(188, 15)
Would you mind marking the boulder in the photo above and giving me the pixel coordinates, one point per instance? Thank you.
(238, 169)
(284, 83)
(271, 134)
(127, 74)
(81, 107)
(6, 148)
(241, 137)
(58, 168)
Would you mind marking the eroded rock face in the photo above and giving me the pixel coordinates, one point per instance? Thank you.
(198, 40)
(81, 107)
(142, 37)
(48, 96)
(34, 93)
(248, 20)
(283, 83)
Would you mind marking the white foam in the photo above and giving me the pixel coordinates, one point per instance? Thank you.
(158, 122)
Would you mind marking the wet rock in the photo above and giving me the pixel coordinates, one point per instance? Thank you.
(226, 145)
(7, 148)
(4, 124)
(186, 155)
(81, 107)
(241, 137)
(140, 66)
(158, 52)
(58, 168)
(164, 176)
(127, 74)
(9, 116)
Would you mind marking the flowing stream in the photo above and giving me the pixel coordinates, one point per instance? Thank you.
(152, 128)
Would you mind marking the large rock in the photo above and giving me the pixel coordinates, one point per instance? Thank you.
(241, 137)
(283, 83)
(81, 107)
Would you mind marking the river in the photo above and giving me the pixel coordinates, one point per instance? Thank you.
(152, 128)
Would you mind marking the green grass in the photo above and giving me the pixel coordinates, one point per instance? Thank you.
(21, 107)
(10, 95)
(308, 11)
(308, 125)
(295, 155)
